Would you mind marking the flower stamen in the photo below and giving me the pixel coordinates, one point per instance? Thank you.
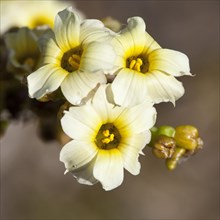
(106, 133)
(132, 64)
(71, 60)
(108, 137)
(136, 64)
(139, 63)
(74, 61)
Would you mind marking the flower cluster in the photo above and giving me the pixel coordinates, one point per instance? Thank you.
(112, 80)
(109, 79)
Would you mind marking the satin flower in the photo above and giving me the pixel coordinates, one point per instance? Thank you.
(28, 13)
(145, 71)
(76, 57)
(24, 54)
(106, 139)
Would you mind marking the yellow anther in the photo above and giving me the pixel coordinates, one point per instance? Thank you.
(111, 137)
(139, 61)
(74, 61)
(136, 64)
(76, 57)
(137, 67)
(106, 133)
(106, 140)
(132, 63)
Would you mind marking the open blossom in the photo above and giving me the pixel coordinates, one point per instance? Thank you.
(30, 13)
(106, 139)
(76, 56)
(145, 70)
(24, 54)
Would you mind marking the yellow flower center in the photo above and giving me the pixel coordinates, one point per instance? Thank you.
(139, 64)
(108, 137)
(39, 20)
(29, 61)
(136, 64)
(71, 59)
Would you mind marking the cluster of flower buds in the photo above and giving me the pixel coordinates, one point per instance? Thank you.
(175, 144)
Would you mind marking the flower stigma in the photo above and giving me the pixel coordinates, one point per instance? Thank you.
(139, 64)
(108, 137)
(71, 59)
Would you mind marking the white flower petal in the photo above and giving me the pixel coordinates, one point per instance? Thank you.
(53, 82)
(76, 154)
(101, 105)
(67, 29)
(77, 125)
(130, 159)
(45, 80)
(108, 168)
(94, 30)
(97, 56)
(136, 119)
(38, 78)
(93, 118)
(107, 111)
(84, 174)
(131, 40)
(150, 45)
(51, 52)
(128, 88)
(169, 61)
(78, 84)
(130, 149)
(163, 88)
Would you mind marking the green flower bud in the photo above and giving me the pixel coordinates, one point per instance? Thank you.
(164, 147)
(162, 130)
(166, 130)
(187, 137)
(175, 144)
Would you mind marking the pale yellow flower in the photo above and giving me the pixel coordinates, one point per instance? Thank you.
(112, 23)
(76, 57)
(145, 71)
(24, 54)
(30, 13)
(106, 139)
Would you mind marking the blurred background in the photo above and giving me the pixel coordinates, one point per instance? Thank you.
(32, 182)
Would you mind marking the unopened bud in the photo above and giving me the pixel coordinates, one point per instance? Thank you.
(166, 130)
(187, 137)
(112, 23)
(164, 147)
(162, 130)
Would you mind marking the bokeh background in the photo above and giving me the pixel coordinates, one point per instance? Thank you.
(32, 182)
